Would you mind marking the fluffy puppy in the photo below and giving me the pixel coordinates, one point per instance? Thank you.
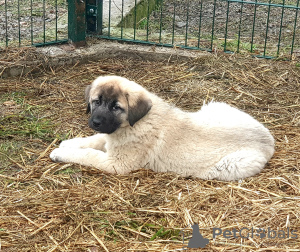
(137, 129)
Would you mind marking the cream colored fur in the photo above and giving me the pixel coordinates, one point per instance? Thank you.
(216, 142)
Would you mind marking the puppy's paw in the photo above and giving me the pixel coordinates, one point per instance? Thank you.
(71, 143)
(57, 155)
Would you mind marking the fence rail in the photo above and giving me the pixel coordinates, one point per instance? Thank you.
(264, 29)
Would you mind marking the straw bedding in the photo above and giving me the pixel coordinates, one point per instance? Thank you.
(46, 206)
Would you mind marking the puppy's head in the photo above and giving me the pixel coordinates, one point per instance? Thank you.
(115, 102)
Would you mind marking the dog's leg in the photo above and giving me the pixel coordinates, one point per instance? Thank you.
(238, 165)
(86, 157)
(95, 142)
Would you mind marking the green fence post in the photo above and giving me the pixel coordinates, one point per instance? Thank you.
(99, 16)
(76, 22)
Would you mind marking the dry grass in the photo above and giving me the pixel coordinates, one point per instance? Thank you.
(46, 206)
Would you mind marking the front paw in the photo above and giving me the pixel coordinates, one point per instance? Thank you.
(67, 144)
(57, 155)
(71, 143)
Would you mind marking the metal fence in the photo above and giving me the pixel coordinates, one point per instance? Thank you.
(33, 22)
(264, 29)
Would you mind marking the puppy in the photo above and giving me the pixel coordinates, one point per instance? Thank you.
(137, 129)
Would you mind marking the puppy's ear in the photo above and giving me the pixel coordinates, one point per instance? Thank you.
(87, 98)
(138, 107)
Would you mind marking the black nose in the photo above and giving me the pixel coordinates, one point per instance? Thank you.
(98, 121)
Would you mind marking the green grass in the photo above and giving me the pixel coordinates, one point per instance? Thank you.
(159, 231)
(68, 171)
(142, 24)
(24, 120)
(18, 123)
(166, 234)
(236, 44)
(10, 155)
(10, 149)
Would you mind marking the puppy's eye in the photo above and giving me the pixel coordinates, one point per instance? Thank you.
(116, 107)
(99, 101)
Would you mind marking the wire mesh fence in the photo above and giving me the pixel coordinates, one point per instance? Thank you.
(265, 29)
(33, 22)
